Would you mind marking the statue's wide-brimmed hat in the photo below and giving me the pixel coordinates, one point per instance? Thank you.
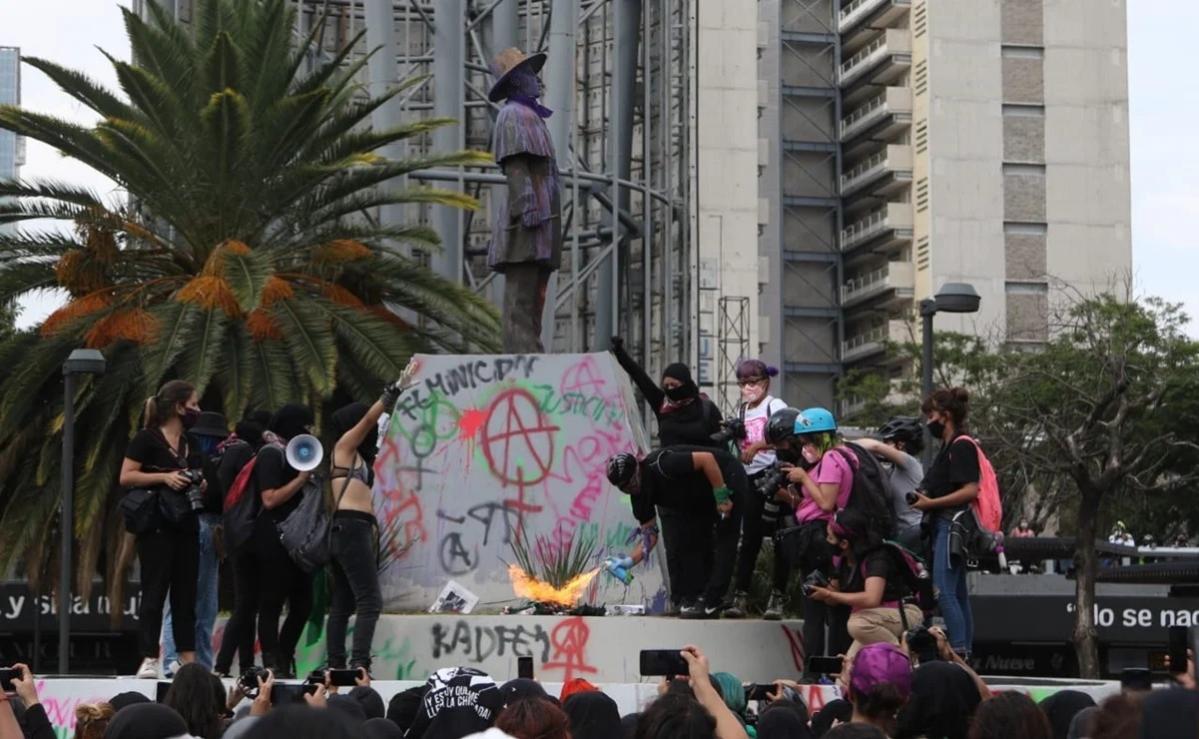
(507, 62)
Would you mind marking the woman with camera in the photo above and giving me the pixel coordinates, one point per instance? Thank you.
(158, 459)
(280, 489)
(869, 582)
(951, 484)
(819, 487)
(761, 517)
(354, 538)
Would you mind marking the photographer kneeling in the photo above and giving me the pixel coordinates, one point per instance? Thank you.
(870, 582)
(165, 491)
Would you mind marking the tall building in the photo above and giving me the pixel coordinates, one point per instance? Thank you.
(919, 143)
(12, 146)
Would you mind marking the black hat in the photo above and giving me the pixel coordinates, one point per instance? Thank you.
(211, 423)
(505, 63)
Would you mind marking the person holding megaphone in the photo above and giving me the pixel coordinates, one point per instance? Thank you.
(354, 537)
(281, 487)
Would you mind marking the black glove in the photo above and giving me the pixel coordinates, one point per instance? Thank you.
(390, 395)
(617, 344)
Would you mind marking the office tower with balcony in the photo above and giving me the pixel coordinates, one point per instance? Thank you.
(918, 143)
(12, 146)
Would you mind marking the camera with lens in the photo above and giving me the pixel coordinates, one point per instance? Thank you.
(732, 429)
(773, 478)
(249, 680)
(194, 491)
(815, 579)
(922, 644)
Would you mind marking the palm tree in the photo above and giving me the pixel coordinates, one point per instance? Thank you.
(243, 260)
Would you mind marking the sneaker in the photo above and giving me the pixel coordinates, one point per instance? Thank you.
(774, 607)
(171, 668)
(149, 669)
(740, 607)
(700, 611)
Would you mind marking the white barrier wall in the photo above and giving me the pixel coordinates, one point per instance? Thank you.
(483, 445)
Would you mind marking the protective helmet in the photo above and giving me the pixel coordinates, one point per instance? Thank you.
(814, 421)
(907, 429)
(781, 426)
(621, 468)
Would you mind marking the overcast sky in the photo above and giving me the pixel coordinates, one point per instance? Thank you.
(1164, 108)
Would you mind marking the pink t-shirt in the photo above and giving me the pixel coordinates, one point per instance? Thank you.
(832, 468)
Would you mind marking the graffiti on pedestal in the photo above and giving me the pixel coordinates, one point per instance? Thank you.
(483, 447)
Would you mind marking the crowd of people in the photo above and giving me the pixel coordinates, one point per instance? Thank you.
(889, 692)
(851, 518)
(197, 493)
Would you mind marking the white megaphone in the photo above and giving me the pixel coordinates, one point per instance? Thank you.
(304, 453)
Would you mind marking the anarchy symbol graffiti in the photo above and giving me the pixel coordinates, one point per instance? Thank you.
(517, 440)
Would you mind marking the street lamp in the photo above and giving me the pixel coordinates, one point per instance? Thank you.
(80, 362)
(954, 297)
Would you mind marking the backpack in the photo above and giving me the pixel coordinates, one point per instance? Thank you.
(915, 576)
(988, 507)
(305, 532)
(240, 506)
(870, 493)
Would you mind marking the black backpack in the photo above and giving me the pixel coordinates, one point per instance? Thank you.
(870, 494)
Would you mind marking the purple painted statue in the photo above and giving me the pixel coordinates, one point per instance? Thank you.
(526, 218)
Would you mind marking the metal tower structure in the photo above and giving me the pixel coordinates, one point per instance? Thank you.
(619, 79)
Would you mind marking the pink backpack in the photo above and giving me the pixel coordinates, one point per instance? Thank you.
(987, 506)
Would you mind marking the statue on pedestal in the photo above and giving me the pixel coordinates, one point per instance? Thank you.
(526, 219)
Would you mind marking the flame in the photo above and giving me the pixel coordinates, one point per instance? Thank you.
(535, 590)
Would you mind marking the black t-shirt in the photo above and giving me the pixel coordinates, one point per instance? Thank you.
(955, 466)
(152, 449)
(669, 479)
(271, 471)
(876, 563)
(693, 423)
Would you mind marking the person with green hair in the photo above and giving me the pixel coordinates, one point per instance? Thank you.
(820, 486)
(733, 693)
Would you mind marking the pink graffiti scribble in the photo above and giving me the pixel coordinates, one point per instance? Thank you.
(584, 377)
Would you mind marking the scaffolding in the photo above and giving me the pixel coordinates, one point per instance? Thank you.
(618, 78)
(810, 159)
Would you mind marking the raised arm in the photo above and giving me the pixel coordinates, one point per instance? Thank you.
(886, 451)
(653, 394)
(347, 446)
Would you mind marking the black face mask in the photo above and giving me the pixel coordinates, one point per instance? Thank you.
(936, 428)
(679, 392)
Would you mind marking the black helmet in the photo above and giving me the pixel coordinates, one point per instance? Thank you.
(907, 429)
(621, 469)
(781, 426)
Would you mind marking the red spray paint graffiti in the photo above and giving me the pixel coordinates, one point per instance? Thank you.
(569, 640)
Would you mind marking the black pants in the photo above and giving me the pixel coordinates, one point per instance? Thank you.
(170, 561)
(753, 530)
(816, 616)
(280, 581)
(707, 550)
(674, 530)
(240, 629)
(355, 587)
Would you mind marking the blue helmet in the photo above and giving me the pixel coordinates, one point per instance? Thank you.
(814, 421)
